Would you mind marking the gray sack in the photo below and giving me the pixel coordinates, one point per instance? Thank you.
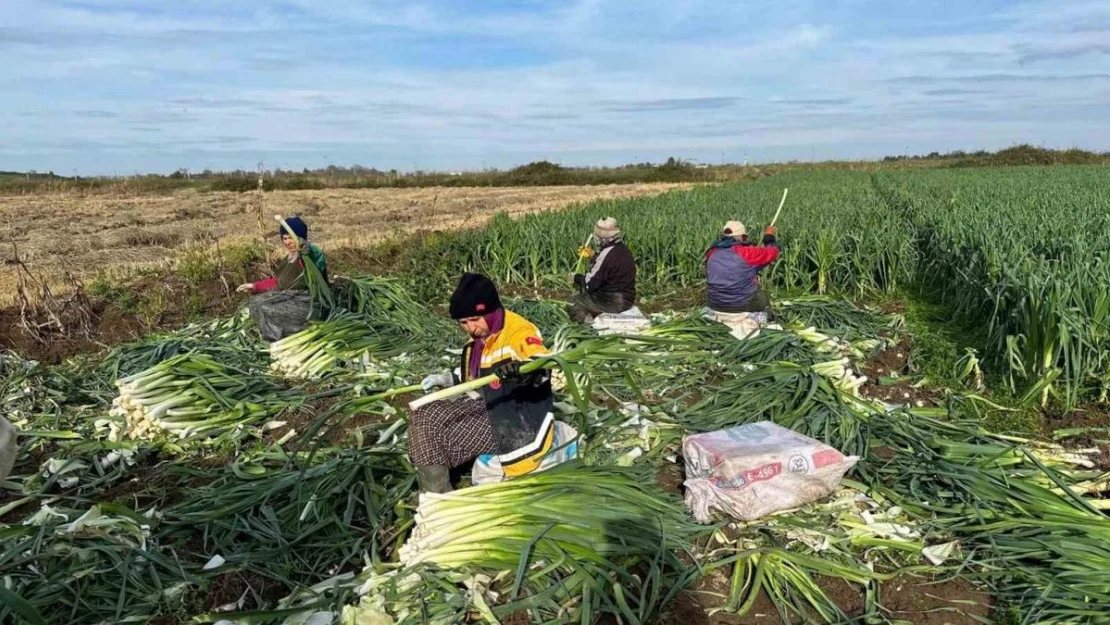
(279, 314)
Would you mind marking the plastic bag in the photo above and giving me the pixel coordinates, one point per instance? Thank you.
(630, 321)
(753, 470)
(743, 325)
(279, 314)
(487, 467)
(8, 447)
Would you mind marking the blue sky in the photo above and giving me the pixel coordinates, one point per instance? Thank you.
(125, 86)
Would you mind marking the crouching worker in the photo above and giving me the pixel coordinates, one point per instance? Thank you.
(732, 266)
(282, 305)
(508, 426)
(610, 284)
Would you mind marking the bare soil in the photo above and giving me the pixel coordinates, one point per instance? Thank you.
(681, 298)
(517, 618)
(953, 602)
(904, 598)
(671, 477)
(1090, 415)
(104, 322)
(84, 234)
(893, 307)
(255, 591)
(891, 362)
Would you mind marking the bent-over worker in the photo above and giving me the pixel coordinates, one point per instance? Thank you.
(610, 284)
(732, 266)
(282, 305)
(511, 417)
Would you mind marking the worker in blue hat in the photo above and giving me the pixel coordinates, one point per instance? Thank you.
(281, 304)
(290, 272)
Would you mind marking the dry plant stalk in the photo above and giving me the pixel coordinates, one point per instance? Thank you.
(220, 268)
(67, 316)
(261, 205)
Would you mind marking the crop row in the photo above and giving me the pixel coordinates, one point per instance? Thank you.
(1025, 251)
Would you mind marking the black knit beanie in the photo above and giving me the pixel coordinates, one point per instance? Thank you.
(476, 295)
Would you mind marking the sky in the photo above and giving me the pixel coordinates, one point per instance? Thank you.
(132, 86)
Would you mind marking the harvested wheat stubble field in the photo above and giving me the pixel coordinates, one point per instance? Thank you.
(54, 233)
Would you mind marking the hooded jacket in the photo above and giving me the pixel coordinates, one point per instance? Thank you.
(613, 273)
(732, 268)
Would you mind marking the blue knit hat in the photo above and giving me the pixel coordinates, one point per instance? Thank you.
(297, 225)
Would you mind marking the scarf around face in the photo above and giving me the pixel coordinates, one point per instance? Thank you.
(608, 241)
(496, 321)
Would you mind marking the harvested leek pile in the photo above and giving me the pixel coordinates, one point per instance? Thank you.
(575, 511)
(193, 395)
(319, 349)
(380, 320)
(232, 339)
(570, 536)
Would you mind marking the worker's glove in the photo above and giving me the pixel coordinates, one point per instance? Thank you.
(245, 288)
(579, 280)
(509, 371)
(769, 230)
(437, 380)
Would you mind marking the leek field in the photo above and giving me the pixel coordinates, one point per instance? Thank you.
(201, 476)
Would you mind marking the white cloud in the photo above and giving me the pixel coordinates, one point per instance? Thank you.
(594, 77)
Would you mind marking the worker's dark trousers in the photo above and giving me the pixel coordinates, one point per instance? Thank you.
(757, 303)
(583, 307)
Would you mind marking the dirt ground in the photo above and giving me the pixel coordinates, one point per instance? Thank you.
(54, 233)
(96, 323)
(883, 372)
(904, 599)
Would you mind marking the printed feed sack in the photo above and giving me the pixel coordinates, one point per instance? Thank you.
(753, 470)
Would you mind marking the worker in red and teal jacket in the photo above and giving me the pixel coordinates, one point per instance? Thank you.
(282, 305)
(732, 266)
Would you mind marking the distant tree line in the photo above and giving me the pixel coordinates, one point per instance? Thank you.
(538, 173)
(1023, 154)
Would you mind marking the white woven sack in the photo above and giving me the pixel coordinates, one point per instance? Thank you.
(753, 470)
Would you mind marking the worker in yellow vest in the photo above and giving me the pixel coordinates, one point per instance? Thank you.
(510, 420)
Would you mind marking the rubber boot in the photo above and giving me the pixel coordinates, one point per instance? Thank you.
(435, 478)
